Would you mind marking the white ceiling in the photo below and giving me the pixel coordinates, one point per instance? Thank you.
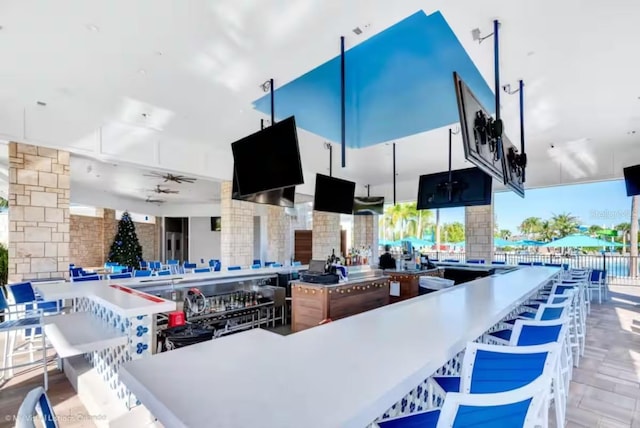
(194, 68)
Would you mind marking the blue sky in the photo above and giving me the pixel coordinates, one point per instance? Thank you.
(605, 204)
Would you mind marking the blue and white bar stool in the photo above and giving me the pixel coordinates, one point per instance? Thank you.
(523, 407)
(36, 401)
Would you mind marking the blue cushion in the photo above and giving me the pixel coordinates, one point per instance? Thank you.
(528, 315)
(415, 420)
(448, 383)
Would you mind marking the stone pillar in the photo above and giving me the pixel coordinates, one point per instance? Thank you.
(39, 192)
(326, 234)
(236, 235)
(365, 234)
(277, 234)
(478, 232)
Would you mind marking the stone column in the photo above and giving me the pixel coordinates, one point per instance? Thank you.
(478, 232)
(326, 235)
(39, 192)
(236, 235)
(365, 234)
(277, 234)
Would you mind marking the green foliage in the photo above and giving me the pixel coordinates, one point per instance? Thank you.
(452, 232)
(504, 234)
(125, 249)
(405, 220)
(4, 264)
(565, 224)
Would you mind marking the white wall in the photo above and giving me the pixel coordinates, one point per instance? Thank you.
(203, 243)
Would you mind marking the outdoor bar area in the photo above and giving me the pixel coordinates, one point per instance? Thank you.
(212, 218)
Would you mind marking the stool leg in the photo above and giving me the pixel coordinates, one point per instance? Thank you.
(44, 361)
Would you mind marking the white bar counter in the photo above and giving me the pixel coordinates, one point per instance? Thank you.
(342, 374)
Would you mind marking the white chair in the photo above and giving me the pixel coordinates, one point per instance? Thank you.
(19, 320)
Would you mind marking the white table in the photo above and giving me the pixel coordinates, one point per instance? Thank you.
(342, 374)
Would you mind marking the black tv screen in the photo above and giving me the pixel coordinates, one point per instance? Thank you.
(216, 224)
(333, 195)
(479, 149)
(469, 187)
(368, 205)
(632, 179)
(279, 197)
(268, 159)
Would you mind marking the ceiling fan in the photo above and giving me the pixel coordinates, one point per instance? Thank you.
(176, 178)
(159, 190)
(150, 200)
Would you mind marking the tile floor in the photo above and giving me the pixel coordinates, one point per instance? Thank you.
(605, 391)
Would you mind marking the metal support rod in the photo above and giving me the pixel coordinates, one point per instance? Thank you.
(394, 173)
(261, 124)
(330, 160)
(273, 103)
(521, 95)
(368, 186)
(449, 181)
(496, 66)
(343, 101)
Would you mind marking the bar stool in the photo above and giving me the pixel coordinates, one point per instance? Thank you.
(36, 401)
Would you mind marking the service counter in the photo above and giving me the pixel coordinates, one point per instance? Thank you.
(313, 304)
(409, 282)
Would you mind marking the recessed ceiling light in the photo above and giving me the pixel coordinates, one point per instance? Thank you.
(146, 115)
(357, 31)
(92, 27)
(41, 103)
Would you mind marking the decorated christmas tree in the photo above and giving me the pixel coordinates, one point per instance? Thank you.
(126, 250)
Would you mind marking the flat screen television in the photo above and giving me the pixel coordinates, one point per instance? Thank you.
(280, 197)
(333, 195)
(513, 174)
(479, 148)
(632, 180)
(268, 159)
(368, 205)
(216, 224)
(468, 187)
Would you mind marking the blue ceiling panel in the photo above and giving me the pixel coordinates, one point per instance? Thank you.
(399, 83)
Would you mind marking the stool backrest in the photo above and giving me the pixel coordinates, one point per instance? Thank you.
(494, 368)
(165, 272)
(36, 401)
(141, 273)
(530, 332)
(87, 278)
(22, 292)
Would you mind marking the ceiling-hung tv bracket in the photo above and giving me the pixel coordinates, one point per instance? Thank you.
(450, 183)
(394, 173)
(518, 160)
(268, 86)
(368, 186)
(343, 101)
(329, 147)
(487, 130)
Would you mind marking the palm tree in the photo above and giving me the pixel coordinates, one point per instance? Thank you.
(530, 226)
(453, 232)
(594, 229)
(3, 203)
(623, 229)
(547, 232)
(504, 234)
(564, 224)
(633, 260)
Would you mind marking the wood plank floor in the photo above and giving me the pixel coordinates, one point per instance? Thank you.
(605, 391)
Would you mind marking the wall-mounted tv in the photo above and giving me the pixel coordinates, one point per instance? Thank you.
(632, 179)
(268, 159)
(368, 205)
(280, 197)
(512, 173)
(216, 224)
(333, 195)
(468, 187)
(476, 125)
